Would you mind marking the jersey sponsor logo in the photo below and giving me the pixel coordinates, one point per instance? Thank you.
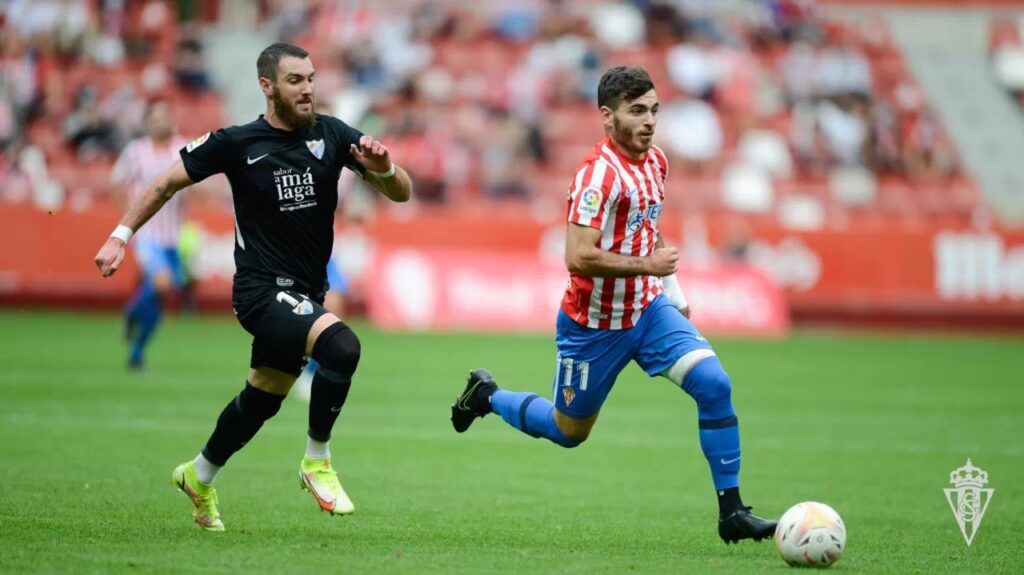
(316, 147)
(294, 191)
(636, 222)
(590, 203)
(197, 142)
(652, 213)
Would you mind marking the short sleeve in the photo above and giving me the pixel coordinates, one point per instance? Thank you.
(207, 155)
(125, 168)
(592, 195)
(345, 136)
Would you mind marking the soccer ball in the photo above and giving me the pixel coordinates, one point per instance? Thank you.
(811, 534)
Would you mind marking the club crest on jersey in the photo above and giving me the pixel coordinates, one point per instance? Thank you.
(568, 394)
(316, 147)
(197, 142)
(590, 203)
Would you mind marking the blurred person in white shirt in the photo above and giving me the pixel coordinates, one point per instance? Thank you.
(157, 243)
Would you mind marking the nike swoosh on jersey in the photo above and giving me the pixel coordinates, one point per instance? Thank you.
(254, 160)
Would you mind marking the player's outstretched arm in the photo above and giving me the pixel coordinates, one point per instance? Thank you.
(148, 203)
(582, 256)
(381, 173)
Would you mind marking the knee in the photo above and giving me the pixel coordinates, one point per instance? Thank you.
(573, 439)
(572, 432)
(163, 284)
(709, 382)
(337, 350)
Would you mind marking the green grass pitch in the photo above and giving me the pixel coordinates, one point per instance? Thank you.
(870, 423)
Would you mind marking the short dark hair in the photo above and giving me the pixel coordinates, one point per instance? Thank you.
(266, 64)
(623, 83)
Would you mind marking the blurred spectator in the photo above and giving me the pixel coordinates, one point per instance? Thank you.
(927, 156)
(86, 129)
(107, 50)
(24, 175)
(503, 155)
(1006, 49)
(693, 67)
(617, 25)
(15, 185)
(126, 109)
(843, 124)
(882, 153)
(490, 99)
(190, 66)
(691, 131)
(767, 150)
(20, 86)
(60, 23)
(841, 67)
(287, 18)
(747, 189)
(797, 68)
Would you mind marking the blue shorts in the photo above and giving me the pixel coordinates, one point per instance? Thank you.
(336, 280)
(589, 360)
(156, 259)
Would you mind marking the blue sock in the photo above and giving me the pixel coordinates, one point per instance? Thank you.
(150, 309)
(131, 311)
(531, 414)
(708, 383)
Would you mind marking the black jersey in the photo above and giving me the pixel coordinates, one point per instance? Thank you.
(285, 189)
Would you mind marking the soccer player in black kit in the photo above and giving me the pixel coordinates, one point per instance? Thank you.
(283, 169)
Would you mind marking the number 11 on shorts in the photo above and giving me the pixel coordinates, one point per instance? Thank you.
(582, 366)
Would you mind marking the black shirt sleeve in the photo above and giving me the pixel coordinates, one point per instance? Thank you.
(345, 136)
(208, 154)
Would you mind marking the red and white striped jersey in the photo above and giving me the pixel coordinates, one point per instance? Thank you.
(622, 197)
(139, 163)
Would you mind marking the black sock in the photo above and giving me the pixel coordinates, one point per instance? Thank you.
(728, 500)
(239, 422)
(327, 396)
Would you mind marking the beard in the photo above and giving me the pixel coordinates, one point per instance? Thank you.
(290, 114)
(628, 138)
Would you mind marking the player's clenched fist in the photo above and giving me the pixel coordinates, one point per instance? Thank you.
(110, 256)
(372, 154)
(663, 262)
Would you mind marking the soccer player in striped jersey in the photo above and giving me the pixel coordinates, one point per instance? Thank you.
(156, 245)
(624, 303)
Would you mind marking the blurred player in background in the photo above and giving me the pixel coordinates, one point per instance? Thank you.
(283, 169)
(156, 246)
(624, 303)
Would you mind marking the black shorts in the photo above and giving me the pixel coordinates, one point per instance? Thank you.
(279, 321)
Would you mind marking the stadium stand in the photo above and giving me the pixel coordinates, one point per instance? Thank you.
(765, 108)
